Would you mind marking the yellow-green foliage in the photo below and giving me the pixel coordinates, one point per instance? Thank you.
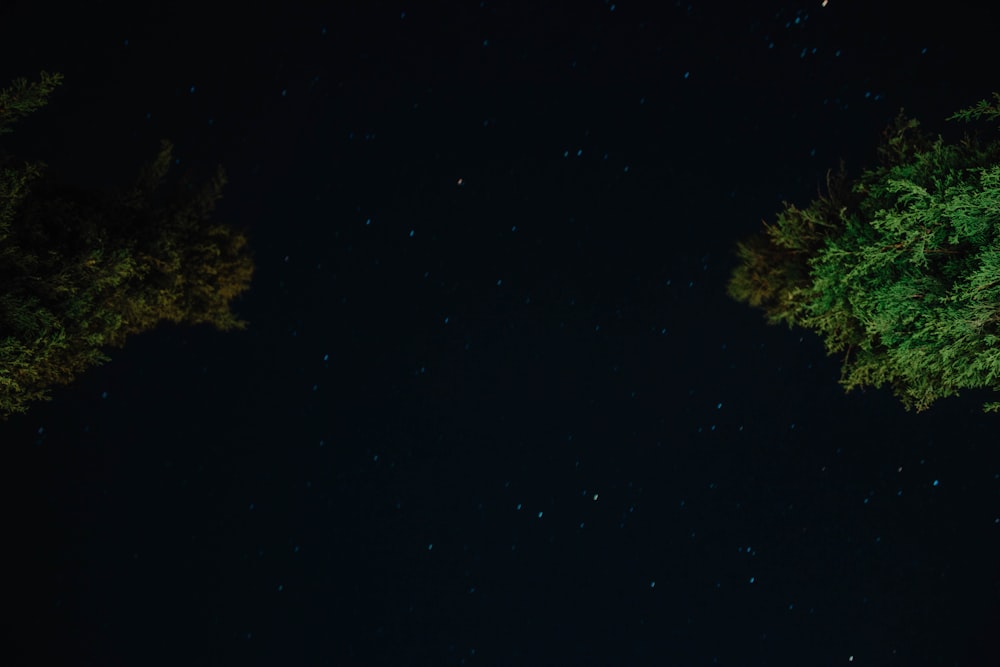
(25, 96)
(82, 270)
(900, 271)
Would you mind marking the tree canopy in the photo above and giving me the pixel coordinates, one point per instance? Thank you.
(81, 270)
(897, 270)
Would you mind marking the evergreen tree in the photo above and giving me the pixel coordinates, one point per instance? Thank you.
(899, 270)
(80, 270)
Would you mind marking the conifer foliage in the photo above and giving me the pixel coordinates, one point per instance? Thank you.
(81, 270)
(899, 270)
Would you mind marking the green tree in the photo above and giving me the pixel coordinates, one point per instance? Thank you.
(899, 270)
(81, 270)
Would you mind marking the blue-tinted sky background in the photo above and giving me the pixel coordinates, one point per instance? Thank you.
(493, 406)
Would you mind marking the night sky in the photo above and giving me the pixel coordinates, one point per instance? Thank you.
(493, 406)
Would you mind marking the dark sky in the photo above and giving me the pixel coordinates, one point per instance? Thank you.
(494, 406)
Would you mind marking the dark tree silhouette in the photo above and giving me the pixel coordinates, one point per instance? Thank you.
(81, 270)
